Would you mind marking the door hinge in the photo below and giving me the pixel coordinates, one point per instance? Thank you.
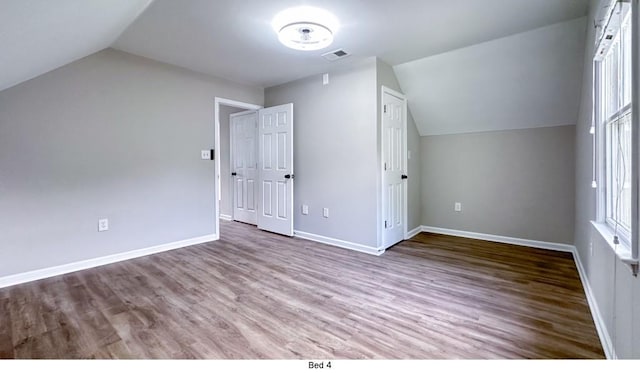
(385, 166)
(385, 108)
(386, 224)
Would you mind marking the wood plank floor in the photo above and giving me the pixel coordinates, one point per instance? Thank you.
(258, 295)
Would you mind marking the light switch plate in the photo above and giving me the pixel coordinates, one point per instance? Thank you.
(205, 154)
(103, 225)
(305, 210)
(325, 212)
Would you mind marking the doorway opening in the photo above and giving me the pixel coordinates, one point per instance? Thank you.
(254, 169)
(223, 110)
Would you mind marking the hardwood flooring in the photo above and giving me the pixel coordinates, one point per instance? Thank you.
(258, 295)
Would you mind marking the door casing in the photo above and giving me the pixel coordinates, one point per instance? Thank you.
(217, 190)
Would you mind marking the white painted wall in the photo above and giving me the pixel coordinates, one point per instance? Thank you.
(616, 291)
(335, 150)
(526, 80)
(111, 135)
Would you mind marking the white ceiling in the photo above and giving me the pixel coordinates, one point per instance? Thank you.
(234, 39)
(37, 36)
(528, 80)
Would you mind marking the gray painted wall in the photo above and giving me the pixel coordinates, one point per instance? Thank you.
(387, 77)
(226, 200)
(415, 174)
(525, 80)
(515, 183)
(335, 136)
(112, 135)
(616, 291)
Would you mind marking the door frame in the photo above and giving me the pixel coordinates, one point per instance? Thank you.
(405, 190)
(217, 181)
(232, 181)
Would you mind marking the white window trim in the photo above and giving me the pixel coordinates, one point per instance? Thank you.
(626, 251)
(623, 251)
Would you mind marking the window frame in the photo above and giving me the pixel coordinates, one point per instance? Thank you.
(601, 125)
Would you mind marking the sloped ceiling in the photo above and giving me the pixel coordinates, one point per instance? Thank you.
(37, 36)
(234, 39)
(449, 92)
(528, 80)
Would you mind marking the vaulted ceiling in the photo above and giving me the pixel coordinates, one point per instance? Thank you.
(528, 80)
(37, 36)
(234, 39)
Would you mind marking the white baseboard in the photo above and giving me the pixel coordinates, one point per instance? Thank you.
(503, 239)
(39, 274)
(226, 217)
(339, 243)
(601, 327)
(414, 232)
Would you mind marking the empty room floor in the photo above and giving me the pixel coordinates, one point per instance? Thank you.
(257, 295)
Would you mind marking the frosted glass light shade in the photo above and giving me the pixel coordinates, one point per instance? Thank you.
(305, 28)
(305, 36)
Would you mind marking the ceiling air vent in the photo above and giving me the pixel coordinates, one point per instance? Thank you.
(335, 55)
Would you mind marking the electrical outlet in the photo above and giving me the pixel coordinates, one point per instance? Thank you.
(205, 154)
(458, 207)
(103, 225)
(305, 210)
(325, 212)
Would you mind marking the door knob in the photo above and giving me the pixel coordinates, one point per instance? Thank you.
(234, 174)
(405, 177)
(288, 176)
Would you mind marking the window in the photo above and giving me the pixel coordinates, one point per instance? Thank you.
(613, 117)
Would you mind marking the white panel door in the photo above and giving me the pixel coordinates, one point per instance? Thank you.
(393, 169)
(244, 166)
(275, 162)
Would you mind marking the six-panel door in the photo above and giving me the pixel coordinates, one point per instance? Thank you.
(275, 138)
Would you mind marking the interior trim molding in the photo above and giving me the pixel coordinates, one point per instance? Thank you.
(339, 243)
(502, 239)
(598, 320)
(414, 232)
(226, 217)
(39, 274)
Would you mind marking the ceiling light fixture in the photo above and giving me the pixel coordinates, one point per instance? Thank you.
(305, 28)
